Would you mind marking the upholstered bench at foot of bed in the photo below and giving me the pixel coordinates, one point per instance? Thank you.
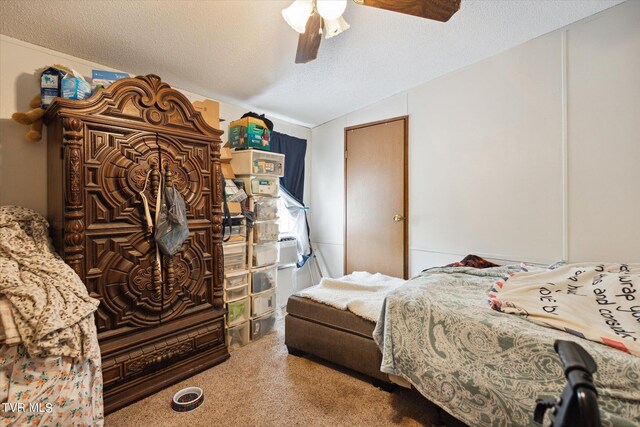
(338, 336)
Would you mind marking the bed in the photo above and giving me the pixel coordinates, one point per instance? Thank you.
(485, 367)
(437, 334)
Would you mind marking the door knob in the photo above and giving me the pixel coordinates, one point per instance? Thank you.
(398, 217)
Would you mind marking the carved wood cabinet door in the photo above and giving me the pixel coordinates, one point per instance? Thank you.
(119, 164)
(188, 275)
(121, 251)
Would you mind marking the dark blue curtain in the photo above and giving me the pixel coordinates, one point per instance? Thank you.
(294, 149)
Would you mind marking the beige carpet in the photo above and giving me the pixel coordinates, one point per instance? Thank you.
(261, 385)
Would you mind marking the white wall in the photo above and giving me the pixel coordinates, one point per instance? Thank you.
(23, 166)
(529, 155)
(603, 74)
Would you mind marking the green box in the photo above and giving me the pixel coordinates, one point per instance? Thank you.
(249, 132)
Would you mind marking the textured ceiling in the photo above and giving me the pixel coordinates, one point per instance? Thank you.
(243, 52)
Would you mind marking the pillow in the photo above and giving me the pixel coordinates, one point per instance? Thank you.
(473, 261)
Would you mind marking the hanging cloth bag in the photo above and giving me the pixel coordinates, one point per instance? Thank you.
(171, 220)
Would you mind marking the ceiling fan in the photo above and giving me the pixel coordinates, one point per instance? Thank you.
(313, 18)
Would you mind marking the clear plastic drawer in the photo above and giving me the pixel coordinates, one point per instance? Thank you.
(263, 303)
(261, 186)
(235, 263)
(262, 325)
(266, 232)
(263, 279)
(265, 208)
(235, 279)
(235, 256)
(232, 294)
(257, 162)
(235, 233)
(265, 254)
(238, 311)
(238, 336)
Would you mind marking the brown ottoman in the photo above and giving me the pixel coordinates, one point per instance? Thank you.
(338, 336)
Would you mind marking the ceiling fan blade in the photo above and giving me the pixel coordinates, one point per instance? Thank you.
(309, 41)
(438, 10)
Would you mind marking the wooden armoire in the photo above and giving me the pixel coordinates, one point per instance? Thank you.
(157, 324)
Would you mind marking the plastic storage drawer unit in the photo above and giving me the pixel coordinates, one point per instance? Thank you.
(265, 254)
(235, 279)
(263, 279)
(232, 294)
(261, 186)
(257, 162)
(263, 303)
(266, 232)
(265, 208)
(238, 311)
(238, 336)
(235, 256)
(262, 325)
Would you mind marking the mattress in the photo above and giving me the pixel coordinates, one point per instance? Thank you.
(344, 320)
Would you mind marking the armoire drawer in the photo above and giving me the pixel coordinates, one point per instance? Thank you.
(162, 352)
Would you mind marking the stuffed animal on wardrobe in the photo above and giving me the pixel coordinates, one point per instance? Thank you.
(32, 118)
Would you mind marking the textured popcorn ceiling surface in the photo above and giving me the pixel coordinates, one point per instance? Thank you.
(243, 52)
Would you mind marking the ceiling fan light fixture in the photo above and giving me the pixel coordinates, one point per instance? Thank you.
(331, 9)
(334, 27)
(297, 14)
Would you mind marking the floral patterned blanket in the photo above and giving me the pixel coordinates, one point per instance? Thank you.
(49, 391)
(485, 367)
(54, 377)
(51, 306)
